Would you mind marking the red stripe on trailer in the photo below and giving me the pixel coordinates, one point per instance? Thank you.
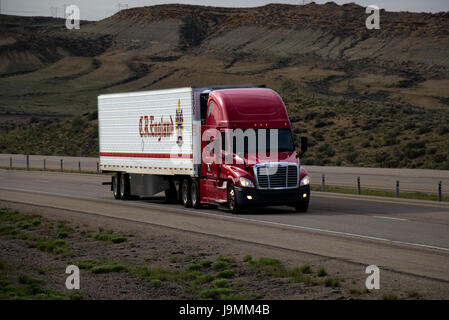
(147, 155)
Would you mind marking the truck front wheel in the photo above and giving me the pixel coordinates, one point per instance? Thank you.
(116, 185)
(233, 204)
(185, 193)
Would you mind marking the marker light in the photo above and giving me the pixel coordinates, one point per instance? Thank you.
(304, 195)
(249, 197)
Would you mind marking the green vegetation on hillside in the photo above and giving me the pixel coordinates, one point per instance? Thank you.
(72, 137)
(367, 134)
(341, 133)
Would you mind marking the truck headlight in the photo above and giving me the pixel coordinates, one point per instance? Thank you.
(245, 182)
(305, 181)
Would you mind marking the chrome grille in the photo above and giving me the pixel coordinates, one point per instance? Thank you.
(279, 175)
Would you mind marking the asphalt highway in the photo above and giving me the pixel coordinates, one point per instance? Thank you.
(401, 235)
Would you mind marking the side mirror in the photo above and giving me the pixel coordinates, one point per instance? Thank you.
(304, 145)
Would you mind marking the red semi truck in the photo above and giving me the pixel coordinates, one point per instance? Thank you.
(226, 146)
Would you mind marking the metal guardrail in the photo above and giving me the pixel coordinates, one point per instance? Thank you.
(339, 176)
(54, 165)
(397, 190)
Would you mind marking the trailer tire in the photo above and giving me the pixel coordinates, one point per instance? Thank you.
(124, 186)
(195, 194)
(116, 185)
(233, 205)
(185, 193)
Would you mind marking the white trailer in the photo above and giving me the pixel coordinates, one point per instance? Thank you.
(148, 137)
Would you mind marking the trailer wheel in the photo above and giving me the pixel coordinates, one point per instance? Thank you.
(185, 193)
(124, 186)
(195, 194)
(302, 206)
(116, 186)
(233, 205)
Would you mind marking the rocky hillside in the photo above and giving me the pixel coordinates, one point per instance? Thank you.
(316, 56)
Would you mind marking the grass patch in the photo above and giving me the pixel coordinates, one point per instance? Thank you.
(52, 246)
(109, 235)
(194, 267)
(389, 296)
(204, 278)
(414, 294)
(219, 265)
(161, 274)
(220, 283)
(155, 282)
(225, 273)
(88, 264)
(206, 263)
(305, 269)
(216, 294)
(108, 268)
(321, 272)
(62, 234)
(332, 282)
(25, 287)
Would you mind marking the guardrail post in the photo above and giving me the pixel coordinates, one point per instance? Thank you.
(45, 164)
(439, 191)
(323, 183)
(98, 168)
(79, 166)
(10, 163)
(62, 166)
(28, 162)
(397, 188)
(358, 185)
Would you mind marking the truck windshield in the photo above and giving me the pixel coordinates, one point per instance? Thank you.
(285, 141)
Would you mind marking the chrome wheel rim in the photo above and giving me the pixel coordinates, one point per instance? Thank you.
(231, 198)
(114, 186)
(184, 192)
(122, 185)
(193, 192)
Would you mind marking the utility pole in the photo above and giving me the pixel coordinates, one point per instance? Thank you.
(54, 12)
(122, 6)
(64, 8)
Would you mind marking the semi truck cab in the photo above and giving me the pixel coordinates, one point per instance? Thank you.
(244, 178)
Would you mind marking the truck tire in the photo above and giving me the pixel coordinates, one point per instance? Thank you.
(195, 194)
(185, 193)
(116, 186)
(124, 186)
(233, 205)
(302, 206)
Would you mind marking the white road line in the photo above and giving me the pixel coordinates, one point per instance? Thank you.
(390, 218)
(361, 236)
